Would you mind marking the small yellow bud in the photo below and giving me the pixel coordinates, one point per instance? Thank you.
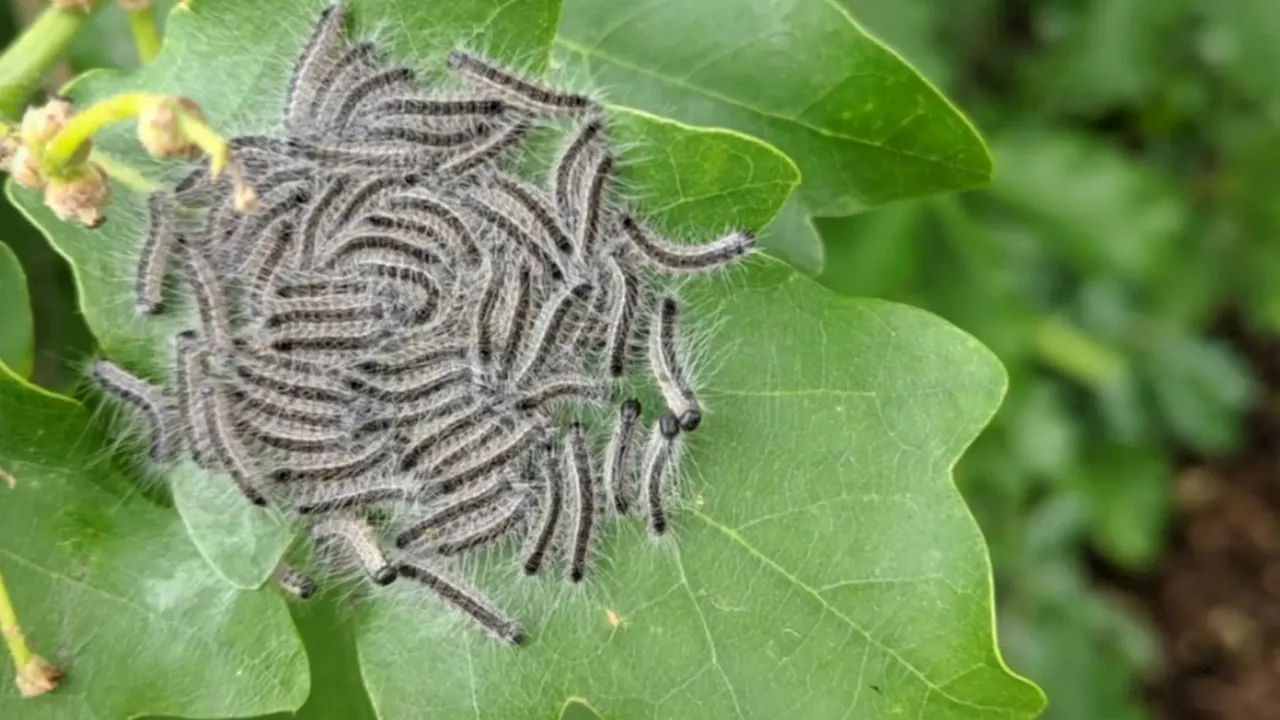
(160, 128)
(25, 169)
(82, 194)
(80, 5)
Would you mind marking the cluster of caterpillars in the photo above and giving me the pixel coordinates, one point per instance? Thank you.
(385, 346)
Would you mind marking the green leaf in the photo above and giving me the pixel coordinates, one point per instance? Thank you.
(862, 125)
(820, 523)
(110, 588)
(242, 542)
(17, 337)
(822, 562)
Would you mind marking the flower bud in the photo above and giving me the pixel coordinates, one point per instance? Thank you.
(160, 127)
(40, 124)
(24, 169)
(83, 194)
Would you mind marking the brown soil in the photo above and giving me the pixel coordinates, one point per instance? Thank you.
(1216, 597)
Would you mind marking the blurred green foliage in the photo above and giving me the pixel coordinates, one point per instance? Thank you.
(1136, 147)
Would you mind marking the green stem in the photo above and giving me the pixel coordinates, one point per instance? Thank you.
(62, 147)
(1076, 353)
(24, 64)
(146, 36)
(12, 632)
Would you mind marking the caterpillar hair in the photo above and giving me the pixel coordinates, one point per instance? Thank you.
(393, 266)
(482, 321)
(490, 530)
(448, 428)
(626, 296)
(659, 461)
(441, 213)
(518, 321)
(561, 388)
(318, 310)
(533, 95)
(350, 246)
(362, 157)
(594, 204)
(489, 151)
(370, 87)
(562, 185)
(585, 511)
(672, 257)
(530, 243)
(413, 358)
(530, 199)
(360, 537)
(343, 495)
(618, 462)
(417, 386)
(454, 509)
(264, 260)
(548, 328)
(225, 447)
(429, 140)
(475, 607)
(361, 196)
(272, 402)
(313, 219)
(355, 334)
(358, 58)
(286, 175)
(479, 440)
(426, 107)
(322, 288)
(211, 304)
(334, 465)
(292, 436)
(549, 510)
(443, 404)
(665, 364)
(156, 250)
(144, 396)
(293, 582)
(322, 50)
(188, 376)
(512, 448)
(280, 203)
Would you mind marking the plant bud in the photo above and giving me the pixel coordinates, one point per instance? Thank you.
(83, 194)
(40, 124)
(24, 168)
(160, 129)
